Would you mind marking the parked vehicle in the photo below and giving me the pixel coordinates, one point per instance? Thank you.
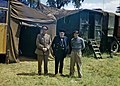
(3, 28)
(110, 32)
(100, 28)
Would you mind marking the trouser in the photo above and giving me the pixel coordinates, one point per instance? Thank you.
(40, 59)
(75, 58)
(57, 61)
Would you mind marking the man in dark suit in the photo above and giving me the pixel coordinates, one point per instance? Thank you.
(60, 48)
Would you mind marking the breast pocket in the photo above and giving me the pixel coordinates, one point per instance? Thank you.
(41, 40)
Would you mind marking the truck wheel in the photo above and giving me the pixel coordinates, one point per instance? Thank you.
(114, 47)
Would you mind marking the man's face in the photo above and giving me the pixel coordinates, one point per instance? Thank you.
(76, 35)
(61, 34)
(45, 31)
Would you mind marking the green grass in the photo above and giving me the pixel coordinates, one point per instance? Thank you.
(96, 72)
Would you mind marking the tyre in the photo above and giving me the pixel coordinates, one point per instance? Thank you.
(114, 47)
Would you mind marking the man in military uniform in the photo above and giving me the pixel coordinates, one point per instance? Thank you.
(60, 47)
(77, 44)
(43, 43)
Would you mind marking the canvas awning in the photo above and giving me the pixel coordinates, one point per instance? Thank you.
(58, 13)
(24, 13)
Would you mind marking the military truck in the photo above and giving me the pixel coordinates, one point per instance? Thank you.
(3, 28)
(99, 28)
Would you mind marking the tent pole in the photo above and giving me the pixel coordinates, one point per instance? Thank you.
(7, 40)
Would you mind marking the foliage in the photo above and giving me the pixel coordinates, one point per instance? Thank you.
(96, 72)
(62, 3)
(53, 3)
(30, 3)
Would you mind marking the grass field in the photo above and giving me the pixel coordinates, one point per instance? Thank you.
(96, 72)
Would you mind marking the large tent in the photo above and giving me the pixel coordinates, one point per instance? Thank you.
(25, 24)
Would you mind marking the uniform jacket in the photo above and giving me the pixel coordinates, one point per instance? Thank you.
(57, 45)
(43, 41)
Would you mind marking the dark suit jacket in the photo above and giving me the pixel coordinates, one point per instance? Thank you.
(57, 47)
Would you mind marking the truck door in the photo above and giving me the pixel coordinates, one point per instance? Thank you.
(111, 23)
(98, 27)
(84, 24)
(91, 32)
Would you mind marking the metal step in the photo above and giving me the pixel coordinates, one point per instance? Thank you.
(96, 50)
(94, 46)
(93, 42)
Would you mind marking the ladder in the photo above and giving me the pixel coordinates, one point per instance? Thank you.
(96, 50)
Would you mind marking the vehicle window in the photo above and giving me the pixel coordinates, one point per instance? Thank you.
(4, 3)
(3, 16)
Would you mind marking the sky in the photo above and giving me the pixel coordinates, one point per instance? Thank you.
(107, 5)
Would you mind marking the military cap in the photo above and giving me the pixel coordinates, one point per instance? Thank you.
(61, 30)
(44, 27)
(77, 32)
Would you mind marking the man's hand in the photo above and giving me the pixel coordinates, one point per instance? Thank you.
(44, 49)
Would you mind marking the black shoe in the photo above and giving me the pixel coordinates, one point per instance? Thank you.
(71, 75)
(56, 73)
(46, 73)
(39, 73)
(80, 76)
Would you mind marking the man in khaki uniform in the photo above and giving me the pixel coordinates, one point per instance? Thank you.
(43, 43)
(77, 44)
